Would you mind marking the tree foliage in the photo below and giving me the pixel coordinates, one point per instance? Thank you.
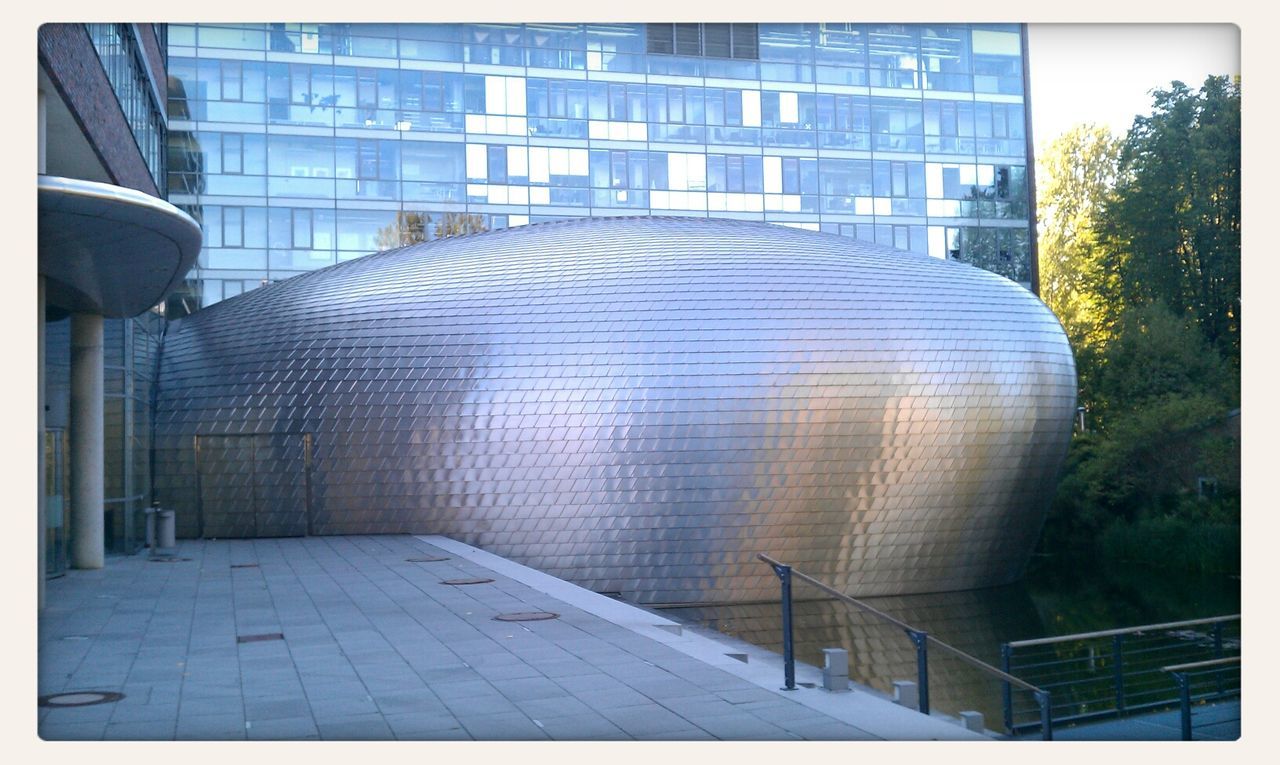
(1172, 227)
(1140, 260)
(1079, 172)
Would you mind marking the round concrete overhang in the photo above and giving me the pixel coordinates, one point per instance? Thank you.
(110, 250)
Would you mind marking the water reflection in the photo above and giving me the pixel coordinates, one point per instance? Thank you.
(1053, 600)
(975, 621)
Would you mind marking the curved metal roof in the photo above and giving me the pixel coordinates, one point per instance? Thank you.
(638, 405)
(111, 250)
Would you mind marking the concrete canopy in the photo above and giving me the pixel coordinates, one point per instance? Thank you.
(110, 250)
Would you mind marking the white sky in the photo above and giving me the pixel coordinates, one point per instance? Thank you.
(1103, 72)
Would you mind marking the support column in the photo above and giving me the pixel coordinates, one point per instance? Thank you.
(88, 541)
(42, 518)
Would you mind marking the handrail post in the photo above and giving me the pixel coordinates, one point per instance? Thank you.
(1217, 653)
(1184, 702)
(1006, 660)
(788, 645)
(921, 639)
(1117, 661)
(1046, 715)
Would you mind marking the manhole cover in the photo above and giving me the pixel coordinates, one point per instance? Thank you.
(79, 698)
(259, 638)
(467, 581)
(167, 559)
(427, 559)
(527, 616)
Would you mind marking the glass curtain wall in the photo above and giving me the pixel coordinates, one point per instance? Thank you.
(312, 141)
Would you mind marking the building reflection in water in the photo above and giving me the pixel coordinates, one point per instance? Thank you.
(974, 621)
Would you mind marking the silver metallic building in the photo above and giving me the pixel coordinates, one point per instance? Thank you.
(638, 405)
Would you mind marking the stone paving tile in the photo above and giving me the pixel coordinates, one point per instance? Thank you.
(423, 725)
(276, 708)
(738, 727)
(211, 727)
(507, 726)
(645, 720)
(559, 706)
(828, 730)
(80, 731)
(362, 727)
(583, 726)
(150, 730)
(283, 729)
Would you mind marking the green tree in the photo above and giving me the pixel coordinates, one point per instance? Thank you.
(1172, 228)
(1140, 259)
(1078, 172)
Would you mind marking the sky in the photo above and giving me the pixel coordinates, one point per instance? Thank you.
(1103, 72)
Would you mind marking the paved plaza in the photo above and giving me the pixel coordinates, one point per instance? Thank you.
(346, 638)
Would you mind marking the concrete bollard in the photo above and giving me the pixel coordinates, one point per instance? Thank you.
(166, 536)
(907, 694)
(835, 669)
(973, 721)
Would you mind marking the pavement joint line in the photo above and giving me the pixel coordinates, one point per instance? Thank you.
(866, 710)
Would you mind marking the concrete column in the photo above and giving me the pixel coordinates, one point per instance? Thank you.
(88, 541)
(42, 519)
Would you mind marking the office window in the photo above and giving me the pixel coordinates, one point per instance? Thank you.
(739, 41)
(232, 81)
(232, 154)
(232, 227)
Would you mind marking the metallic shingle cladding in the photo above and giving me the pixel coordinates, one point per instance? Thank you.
(638, 405)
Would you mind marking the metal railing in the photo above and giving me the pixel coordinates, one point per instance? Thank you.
(921, 639)
(1112, 673)
(1186, 675)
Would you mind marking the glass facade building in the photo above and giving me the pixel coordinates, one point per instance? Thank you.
(318, 143)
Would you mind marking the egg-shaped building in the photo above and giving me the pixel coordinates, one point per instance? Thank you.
(637, 405)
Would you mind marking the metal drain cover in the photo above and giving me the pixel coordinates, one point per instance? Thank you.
(79, 698)
(527, 616)
(259, 638)
(244, 565)
(167, 559)
(427, 559)
(476, 580)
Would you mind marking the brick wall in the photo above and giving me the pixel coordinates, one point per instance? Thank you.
(67, 56)
(155, 59)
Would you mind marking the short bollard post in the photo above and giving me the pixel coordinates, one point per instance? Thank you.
(906, 694)
(788, 646)
(1046, 715)
(835, 669)
(973, 721)
(921, 639)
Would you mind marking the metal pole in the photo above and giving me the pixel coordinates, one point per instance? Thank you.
(1217, 653)
(1117, 661)
(921, 639)
(1046, 715)
(1006, 659)
(1184, 699)
(788, 645)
